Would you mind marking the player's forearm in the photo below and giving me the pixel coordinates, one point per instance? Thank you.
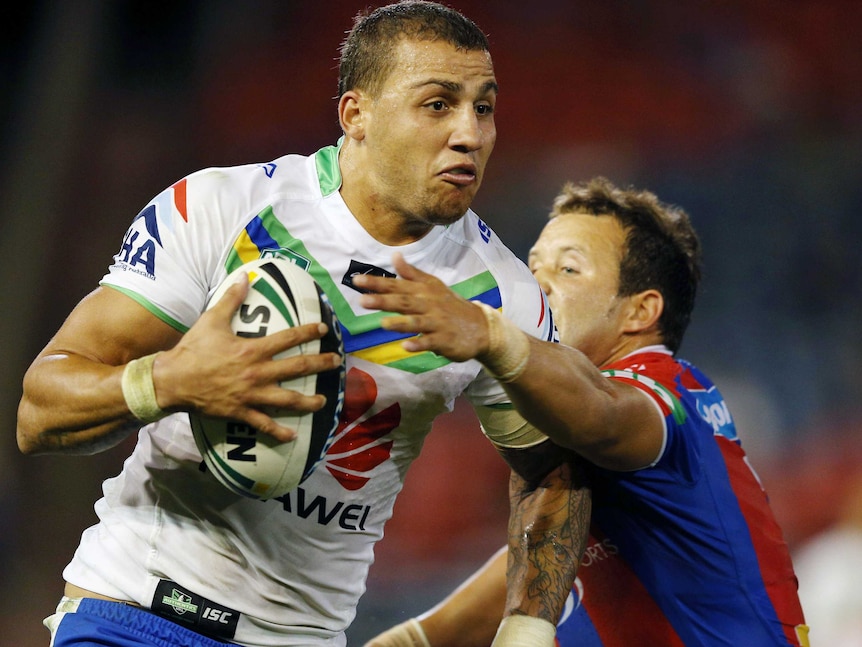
(467, 617)
(74, 405)
(609, 423)
(548, 529)
(470, 615)
(557, 388)
(562, 393)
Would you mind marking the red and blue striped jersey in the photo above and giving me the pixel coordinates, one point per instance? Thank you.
(686, 551)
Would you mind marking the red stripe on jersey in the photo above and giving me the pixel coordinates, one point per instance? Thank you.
(180, 198)
(665, 409)
(776, 568)
(542, 307)
(621, 610)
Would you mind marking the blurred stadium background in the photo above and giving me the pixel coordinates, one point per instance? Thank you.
(748, 113)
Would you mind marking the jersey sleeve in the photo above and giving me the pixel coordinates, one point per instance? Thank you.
(659, 378)
(667, 403)
(172, 255)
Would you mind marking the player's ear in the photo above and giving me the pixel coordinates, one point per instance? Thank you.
(351, 114)
(645, 308)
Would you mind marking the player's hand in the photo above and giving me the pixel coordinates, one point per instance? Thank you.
(214, 372)
(447, 324)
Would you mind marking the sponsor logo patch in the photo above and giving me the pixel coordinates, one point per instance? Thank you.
(357, 268)
(288, 255)
(182, 606)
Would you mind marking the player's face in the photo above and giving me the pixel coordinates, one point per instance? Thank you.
(430, 132)
(576, 260)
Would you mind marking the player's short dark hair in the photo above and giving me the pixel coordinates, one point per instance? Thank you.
(662, 250)
(367, 51)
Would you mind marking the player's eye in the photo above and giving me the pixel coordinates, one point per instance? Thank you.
(484, 109)
(438, 105)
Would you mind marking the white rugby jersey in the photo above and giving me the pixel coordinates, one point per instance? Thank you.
(294, 567)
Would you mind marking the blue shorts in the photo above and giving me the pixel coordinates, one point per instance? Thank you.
(114, 624)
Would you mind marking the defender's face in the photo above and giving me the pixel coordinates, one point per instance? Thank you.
(431, 131)
(576, 260)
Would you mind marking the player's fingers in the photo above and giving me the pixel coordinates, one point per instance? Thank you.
(409, 275)
(279, 397)
(427, 337)
(288, 368)
(233, 297)
(282, 340)
(405, 323)
(268, 401)
(410, 272)
(402, 303)
(265, 424)
(378, 284)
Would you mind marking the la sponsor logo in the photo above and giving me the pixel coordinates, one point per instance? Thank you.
(138, 254)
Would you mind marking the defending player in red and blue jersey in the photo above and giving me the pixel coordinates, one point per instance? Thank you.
(686, 551)
(683, 548)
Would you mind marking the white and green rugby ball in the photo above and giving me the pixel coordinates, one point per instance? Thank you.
(251, 463)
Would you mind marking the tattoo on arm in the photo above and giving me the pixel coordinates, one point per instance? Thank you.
(548, 529)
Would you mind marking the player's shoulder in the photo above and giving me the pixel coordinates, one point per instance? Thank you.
(289, 173)
(507, 282)
(473, 232)
(653, 370)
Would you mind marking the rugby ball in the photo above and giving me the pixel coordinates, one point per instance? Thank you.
(251, 463)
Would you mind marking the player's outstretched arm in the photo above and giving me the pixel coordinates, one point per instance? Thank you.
(73, 398)
(548, 527)
(555, 387)
(467, 617)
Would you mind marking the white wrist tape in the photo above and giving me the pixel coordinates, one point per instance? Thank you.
(417, 633)
(506, 428)
(138, 389)
(525, 631)
(508, 346)
(407, 634)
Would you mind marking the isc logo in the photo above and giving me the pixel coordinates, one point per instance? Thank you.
(217, 615)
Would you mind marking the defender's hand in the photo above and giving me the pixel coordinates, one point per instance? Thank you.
(447, 324)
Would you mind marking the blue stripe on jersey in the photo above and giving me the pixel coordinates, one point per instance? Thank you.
(376, 336)
(260, 236)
